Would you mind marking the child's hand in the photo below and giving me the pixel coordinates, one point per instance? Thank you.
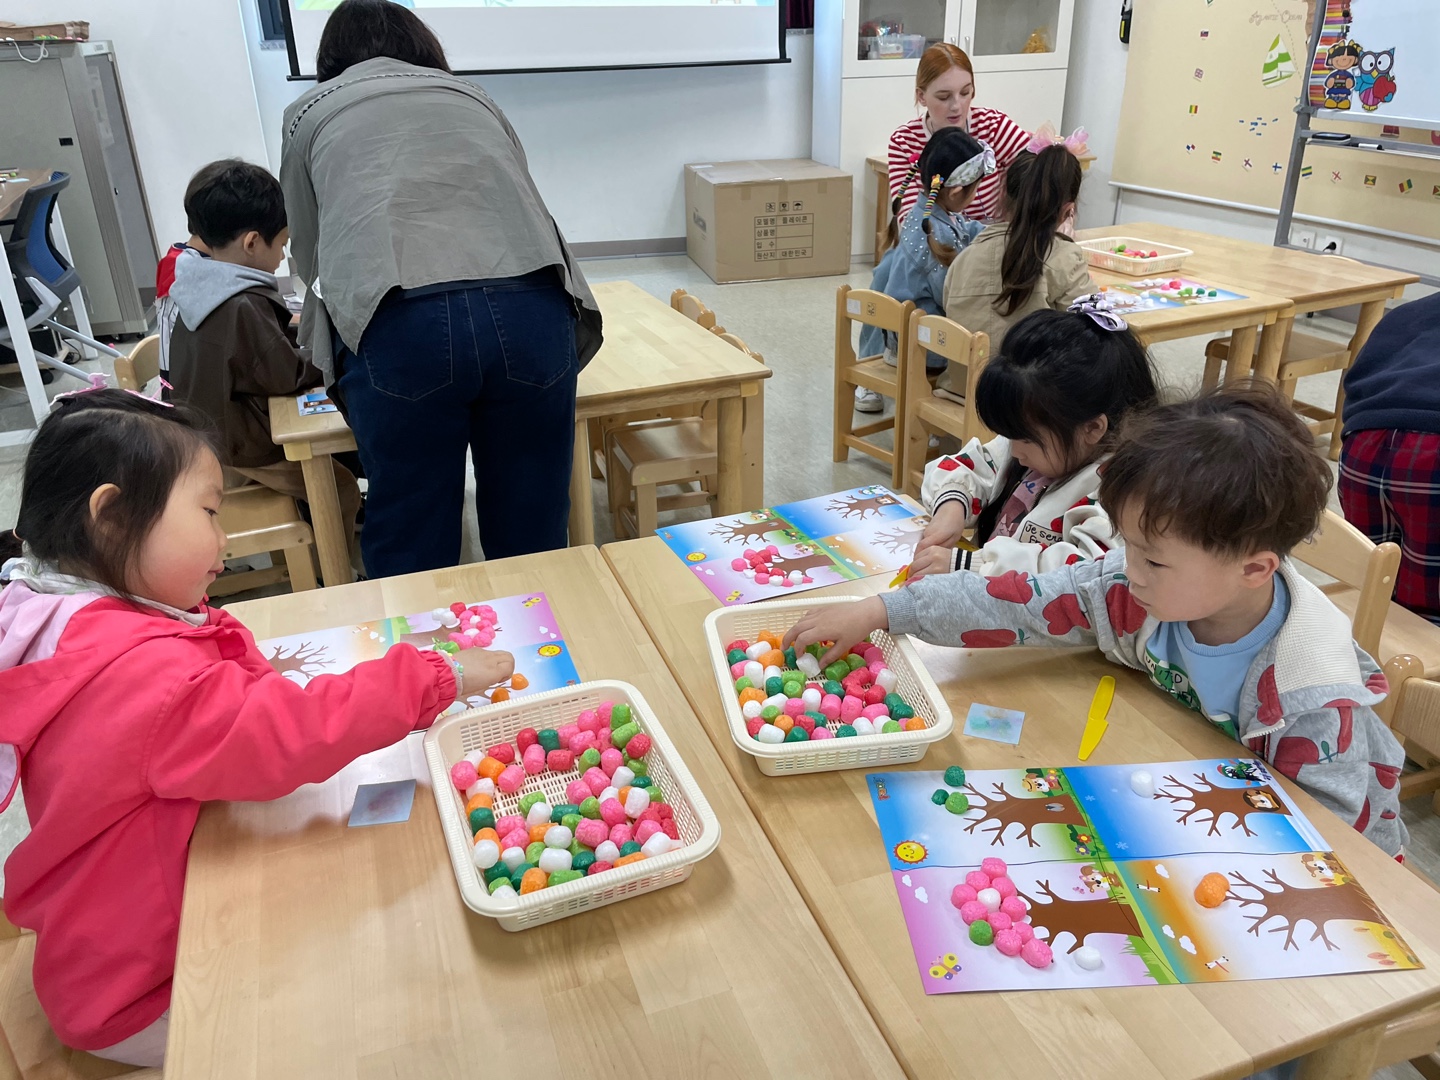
(481, 669)
(931, 560)
(947, 526)
(844, 624)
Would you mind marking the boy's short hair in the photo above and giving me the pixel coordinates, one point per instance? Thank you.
(1233, 471)
(229, 198)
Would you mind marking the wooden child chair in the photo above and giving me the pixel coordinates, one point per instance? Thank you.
(647, 456)
(925, 413)
(870, 308)
(1343, 552)
(254, 518)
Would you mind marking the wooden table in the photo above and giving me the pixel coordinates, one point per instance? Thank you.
(311, 950)
(823, 826)
(652, 357)
(1310, 282)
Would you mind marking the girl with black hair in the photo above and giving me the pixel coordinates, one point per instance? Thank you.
(920, 252)
(1055, 396)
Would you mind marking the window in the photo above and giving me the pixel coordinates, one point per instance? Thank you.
(272, 24)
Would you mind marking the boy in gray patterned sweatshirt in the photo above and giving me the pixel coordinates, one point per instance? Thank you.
(1211, 495)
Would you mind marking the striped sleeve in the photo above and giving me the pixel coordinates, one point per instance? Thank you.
(906, 143)
(1002, 134)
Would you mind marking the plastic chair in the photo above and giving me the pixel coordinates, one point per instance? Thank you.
(926, 412)
(870, 308)
(43, 279)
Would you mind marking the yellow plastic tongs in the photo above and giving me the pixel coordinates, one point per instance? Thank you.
(1096, 725)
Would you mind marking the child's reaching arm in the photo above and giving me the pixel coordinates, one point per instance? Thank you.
(957, 487)
(237, 733)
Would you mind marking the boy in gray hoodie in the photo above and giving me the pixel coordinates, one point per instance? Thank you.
(233, 347)
(1210, 495)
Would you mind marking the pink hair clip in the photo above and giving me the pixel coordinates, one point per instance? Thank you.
(1077, 142)
(99, 381)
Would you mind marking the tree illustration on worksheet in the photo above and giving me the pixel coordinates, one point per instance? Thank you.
(1080, 918)
(862, 506)
(1208, 804)
(785, 564)
(1293, 905)
(1001, 809)
(747, 531)
(894, 541)
(303, 659)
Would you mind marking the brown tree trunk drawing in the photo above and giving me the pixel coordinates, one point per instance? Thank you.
(1207, 799)
(745, 532)
(1295, 905)
(304, 659)
(855, 506)
(804, 563)
(1003, 810)
(1081, 918)
(898, 540)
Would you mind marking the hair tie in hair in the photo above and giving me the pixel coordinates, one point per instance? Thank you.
(935, 184)
(1046, 136)
(1100, 311)
(968, 172)
(98, 381)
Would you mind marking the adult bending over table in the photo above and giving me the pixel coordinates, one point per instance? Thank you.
(444, 307)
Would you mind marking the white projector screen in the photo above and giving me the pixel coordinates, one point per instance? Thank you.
(482, 36)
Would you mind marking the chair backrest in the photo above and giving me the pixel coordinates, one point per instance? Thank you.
(1346, 554)
(690, 306)
(871, 308)
(136, 371)
(731, 339)
(947, 338)
(31, 251)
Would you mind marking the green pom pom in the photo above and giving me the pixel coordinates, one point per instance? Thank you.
(957, 802)
(590, 808)
(889, 727)
(560, 877)
(639, 768)
(736, 656)
(619, 717)
(622, 735)
(845, 731)
(901, 712)
(831, 686)
(794, 689)
(938, 796)
(576, 847)
(571, 820)
(893, 701)
(482, 817)
(854, 661)
(816, 650)
(769, 713)
(797, 734)
(499, 883)
(837, 671)
(557, 813)
(774, 685)
(630, 847)
(520, 873)
(657, 794)
(582, 861)
(641, 781)
(498, 872)
(534, 850)
(955, 776)
(529, 799)
(821, 720)
(982, 933)
(790, 657)
(590, 759)
(743, 683)
(549, 739)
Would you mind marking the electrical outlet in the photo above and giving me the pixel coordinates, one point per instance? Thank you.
(1304, 238)
(1329, 245)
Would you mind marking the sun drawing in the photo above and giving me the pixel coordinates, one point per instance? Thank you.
(910, 851)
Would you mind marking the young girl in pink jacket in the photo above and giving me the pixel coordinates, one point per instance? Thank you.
(128, 702)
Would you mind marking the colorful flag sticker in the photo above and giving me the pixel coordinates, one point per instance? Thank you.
(1277, 168)
(1335, 176)
(1214, 155)
(1247, 164)
(1306, 170)
(1369, 180)
(1199, 73)
(1194, 109)
(1189, 148)
(1406, 185)
(1204, 34)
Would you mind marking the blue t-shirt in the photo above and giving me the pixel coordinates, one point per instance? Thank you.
(1209, 678)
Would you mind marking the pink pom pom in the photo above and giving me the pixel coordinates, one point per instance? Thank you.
(873, 653)
(603, 711)
(459, 639)
(596, 780)
(1008, 943)
(821, 733)
(806, 722)
(1003, 885)
(567, 732)
(771, 549)
(463, 774)
(1024, 929)
(793, 707)
(972, 910)
(644, 830)
(591, 833)
(961, 895)
(502, 752)
(534, 759)
(526, 738)
(1037, 954)
(807, 580)
(580, 742)
(670, 828)
(874, 696)
(511, 780)
(612, 812)
(753, 726)
(610, 760)
(737, 670)
(560, 760)
(786, 582)
(515, 838)
(875, 712)
(576, 792)
(850, 708)
(599, 866)
(622, 833)
(1014, 907)
(589, 721)
(485, 638)
(830, 707)
(977, 880)
(637, 747)
(998, 921)
(457, 609)
(762, 579)
(738, 565)
(507, 824)
(994, 867)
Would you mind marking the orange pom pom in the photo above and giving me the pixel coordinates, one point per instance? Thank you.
(478, 799)
(751, 693)
(1212, 890)
(784, 723)
(489, 768)
(915, 723)
(499, 694)
(773, 658)
(487, 834)
(626, 860)
(518, 681)
(537, 832)
(534, 880)
(770, 638)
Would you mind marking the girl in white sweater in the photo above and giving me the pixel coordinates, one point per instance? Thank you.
(1054, 394)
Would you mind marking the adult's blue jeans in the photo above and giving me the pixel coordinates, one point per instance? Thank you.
(488, 365)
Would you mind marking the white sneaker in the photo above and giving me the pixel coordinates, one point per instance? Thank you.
(867, 400)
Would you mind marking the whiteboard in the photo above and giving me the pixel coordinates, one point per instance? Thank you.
(1208, 111)
(1381, 64)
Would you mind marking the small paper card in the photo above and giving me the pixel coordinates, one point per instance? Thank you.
(315, 401)
(382, 804)
(994, 723)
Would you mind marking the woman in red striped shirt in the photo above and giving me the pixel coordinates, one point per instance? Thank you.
(945, 89)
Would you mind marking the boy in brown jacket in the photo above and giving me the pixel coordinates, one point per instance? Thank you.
(233, 347)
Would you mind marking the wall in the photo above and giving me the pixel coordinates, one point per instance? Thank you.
(1093, 95)
(186, 107)
(607, 147)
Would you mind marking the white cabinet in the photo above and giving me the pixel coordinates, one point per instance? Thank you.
(866, 53)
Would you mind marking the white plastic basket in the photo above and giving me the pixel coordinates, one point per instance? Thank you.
(862, 752)
(1102, 255)
(451, 738)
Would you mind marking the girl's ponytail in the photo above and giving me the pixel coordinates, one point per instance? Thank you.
(1047, 184)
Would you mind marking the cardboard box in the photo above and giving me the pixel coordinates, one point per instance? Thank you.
(63, 31)
(765, 220)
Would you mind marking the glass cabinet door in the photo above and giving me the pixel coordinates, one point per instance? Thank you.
(1011, 27)
(897, 30)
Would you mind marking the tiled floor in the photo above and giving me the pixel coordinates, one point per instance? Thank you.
(791, 323)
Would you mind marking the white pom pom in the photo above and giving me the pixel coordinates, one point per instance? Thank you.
(539, 813)
(607, 851)
(657, 844)
(486, 854)
(558, 836)
(552, 859)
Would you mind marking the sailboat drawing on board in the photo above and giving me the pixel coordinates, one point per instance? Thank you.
(1278, 64)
